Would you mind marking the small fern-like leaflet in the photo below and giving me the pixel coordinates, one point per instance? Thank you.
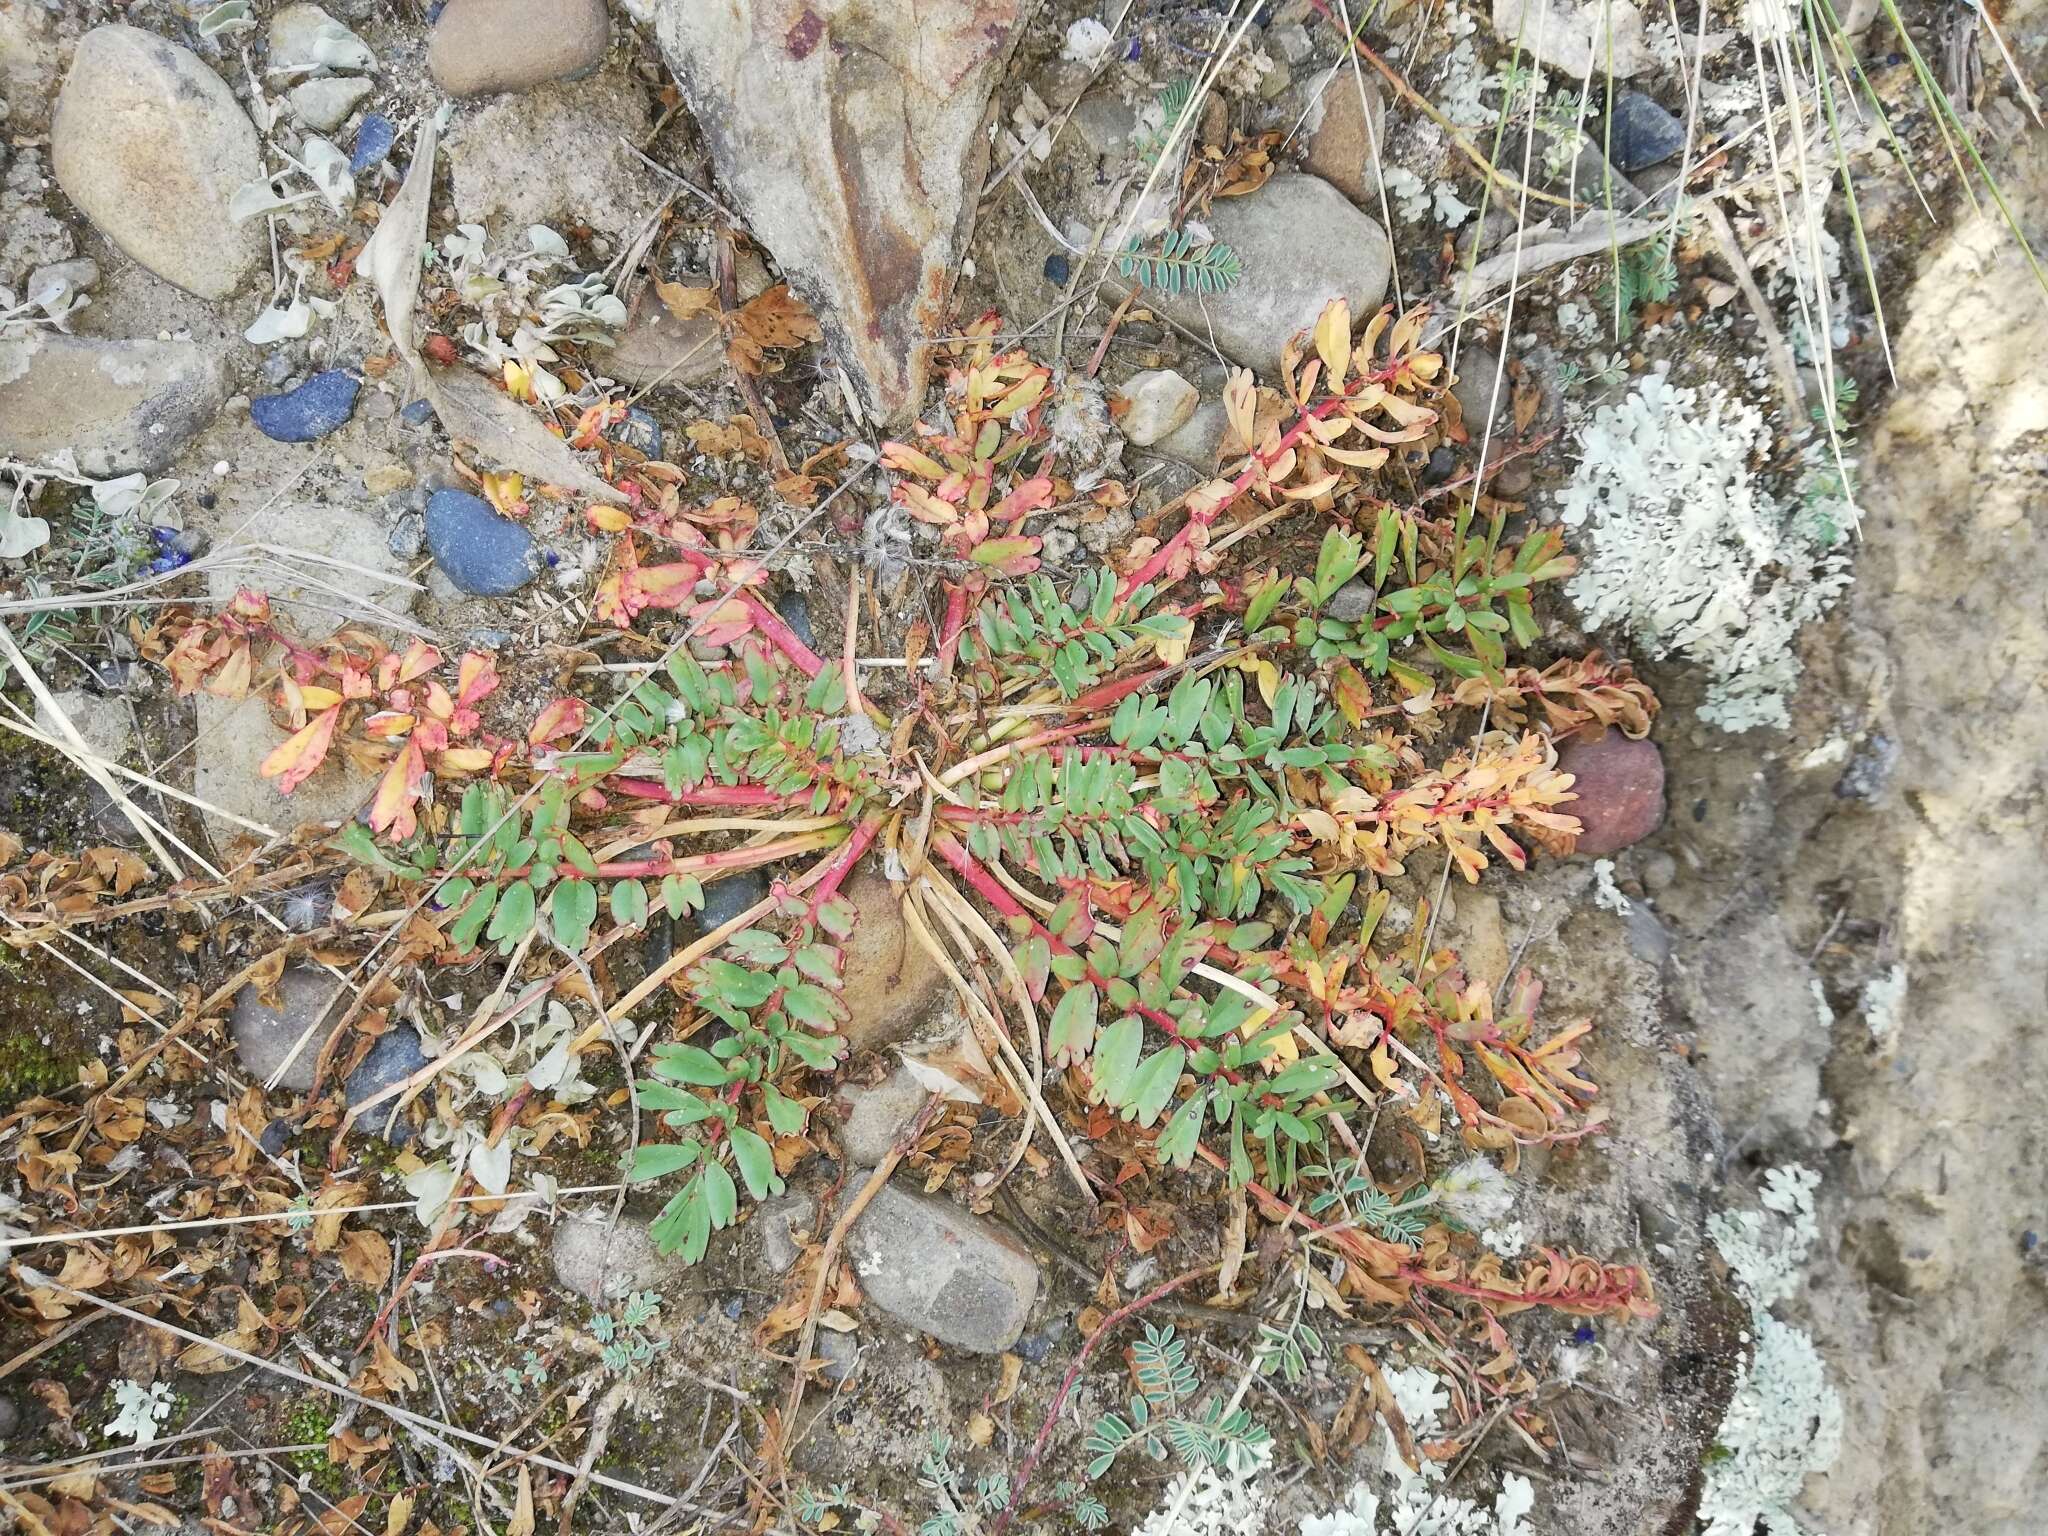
(1178, 264)
(1160, 1363)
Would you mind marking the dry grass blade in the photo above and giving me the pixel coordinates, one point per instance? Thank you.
(246, 1218)
(419, 1421)
(836, 1238)
(391, 258)
(74, 747)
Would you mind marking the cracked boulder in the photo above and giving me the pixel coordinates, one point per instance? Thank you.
(850, 137)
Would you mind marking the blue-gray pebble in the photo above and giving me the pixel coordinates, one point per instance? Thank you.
(1644, 133)
(640, 430)
(394, 1058)
(373, 142)
(484, 554)
(317, 407)
(726, 899)
(796, 613)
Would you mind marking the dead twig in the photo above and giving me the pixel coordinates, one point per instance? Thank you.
(601, 1420)
(1109, 1325)
(828, 1259)
(1782, 370)
(750, 391)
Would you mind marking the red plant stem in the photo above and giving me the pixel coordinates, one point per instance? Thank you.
(751, 795)
(780, 635)
(973, 816)
(949, 631)
(1360, 1247)
(1110, 694)
(1163, 556)
(635, 869)
(833, 873)
(1472, 477)
(996, 754)
(1109, 1324)
(992, 892)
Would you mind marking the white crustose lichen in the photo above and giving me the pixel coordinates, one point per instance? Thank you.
(1685, 549)
(1785, 1420)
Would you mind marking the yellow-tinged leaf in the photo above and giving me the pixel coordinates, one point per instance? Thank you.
(464, 760)
(1321, 825)
(318, 698)
(1239, 394)
(1268, 676)
(505, 490)
(1333, 341)
(1205, 501)
(388, 725)
(293, 762)
(1172, 649)
(1309, 490)
(1358, 458)
(908, 460)
(522, 1506)
(609, 519)
(391, 810)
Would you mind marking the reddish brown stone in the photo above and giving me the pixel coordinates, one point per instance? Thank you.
(1620, 785)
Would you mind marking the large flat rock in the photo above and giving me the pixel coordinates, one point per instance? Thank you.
(850, 137)
(1302, 244)
(121, 406)
(150, 144)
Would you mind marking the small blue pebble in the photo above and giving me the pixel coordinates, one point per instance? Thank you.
(1583, 1334)
(484, 554)
(2029, 1241)
(317, 407)
(395, 1057)
(373, 142)
(734, 1306)
(726, 899)
(162, 536)
(1642, 134)
(796, 613)
(1058, 269)
(1132, 52)
(640, 430)
(418, 414)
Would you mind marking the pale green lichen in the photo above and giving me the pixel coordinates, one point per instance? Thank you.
(1784, 1421)
(1687, 551)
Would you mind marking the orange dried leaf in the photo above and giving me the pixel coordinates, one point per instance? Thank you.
(294, 761)
(778, 318)
(686, 303)
(561, 717)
